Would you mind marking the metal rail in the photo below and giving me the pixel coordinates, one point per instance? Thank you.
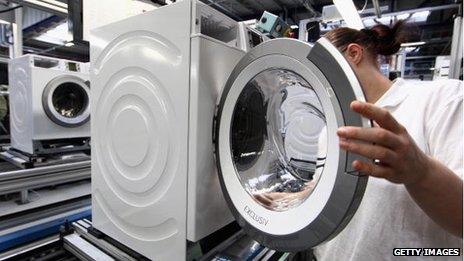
(29, 247)
(456, 47)
(304, 22)
(430, 8)
(21, 180)
(376, 4)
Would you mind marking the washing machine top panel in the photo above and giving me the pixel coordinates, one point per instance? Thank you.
(283, 174)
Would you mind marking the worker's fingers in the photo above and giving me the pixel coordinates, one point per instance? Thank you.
(379, 115)
(368, 150)
(373, 135)
(372, 170)
(263, 199)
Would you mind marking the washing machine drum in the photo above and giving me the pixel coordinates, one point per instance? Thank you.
(66, 102)
(286, 180)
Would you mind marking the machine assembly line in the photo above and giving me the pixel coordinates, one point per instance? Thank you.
(228, 130)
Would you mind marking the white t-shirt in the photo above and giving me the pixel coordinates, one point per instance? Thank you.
(387, 217)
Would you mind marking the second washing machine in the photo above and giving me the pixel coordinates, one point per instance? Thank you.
(49, 104)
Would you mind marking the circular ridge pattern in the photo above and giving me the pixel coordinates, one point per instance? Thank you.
(140, 180)
(20, 103)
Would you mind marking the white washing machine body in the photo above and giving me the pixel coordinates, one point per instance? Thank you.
(40, 105)
(156, 79)
(191, 128)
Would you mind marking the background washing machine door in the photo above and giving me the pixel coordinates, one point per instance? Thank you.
(283, 174)
(66, 101)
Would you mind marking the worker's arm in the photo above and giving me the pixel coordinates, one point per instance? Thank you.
(434, 187)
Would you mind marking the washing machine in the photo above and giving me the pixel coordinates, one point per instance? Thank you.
(192, 129)
(49, 104)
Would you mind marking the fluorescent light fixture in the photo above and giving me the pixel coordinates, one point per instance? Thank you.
(412, 44)
(349, 13)
(421, 16)
(57, 3)
(294, 26)
(402, 16)
(51, 4)
(59, 35)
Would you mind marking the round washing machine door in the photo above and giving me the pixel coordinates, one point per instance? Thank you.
(286, 180)
(66, 101)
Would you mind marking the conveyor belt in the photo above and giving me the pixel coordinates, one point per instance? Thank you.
(30, 215)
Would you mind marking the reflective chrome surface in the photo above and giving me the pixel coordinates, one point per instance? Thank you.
(70, 99)
(279, 139)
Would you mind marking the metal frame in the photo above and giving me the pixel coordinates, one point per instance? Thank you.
(456, 48)
(29, 247)
(302, 24)
(16, 49)
(42, 226)
(23, 180)
(376, 5)
(82, 228)
(83, 249)
(75, 19)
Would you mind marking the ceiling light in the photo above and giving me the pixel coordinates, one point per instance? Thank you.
(412, 44)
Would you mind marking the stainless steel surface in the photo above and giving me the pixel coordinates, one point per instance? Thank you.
(24, 196)
(279, 139)
(83, 249)
(18, 221)
(376, 5)
(44, 170)
(456, 49)
(16, 49)
(81, 227)
(43, 197)
(18, 180)
(8, 255)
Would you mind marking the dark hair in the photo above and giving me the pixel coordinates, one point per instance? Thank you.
(380, 39)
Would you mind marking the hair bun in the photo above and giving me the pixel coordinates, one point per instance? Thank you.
(388, 40)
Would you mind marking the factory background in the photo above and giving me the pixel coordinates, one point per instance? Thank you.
(51, 51)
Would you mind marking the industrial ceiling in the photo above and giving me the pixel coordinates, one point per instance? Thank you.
(295, 10)
(437, 29)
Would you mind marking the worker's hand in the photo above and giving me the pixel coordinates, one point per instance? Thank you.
(397, 157)
(284, 200)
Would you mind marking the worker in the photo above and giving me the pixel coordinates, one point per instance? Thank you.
(414, 156)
